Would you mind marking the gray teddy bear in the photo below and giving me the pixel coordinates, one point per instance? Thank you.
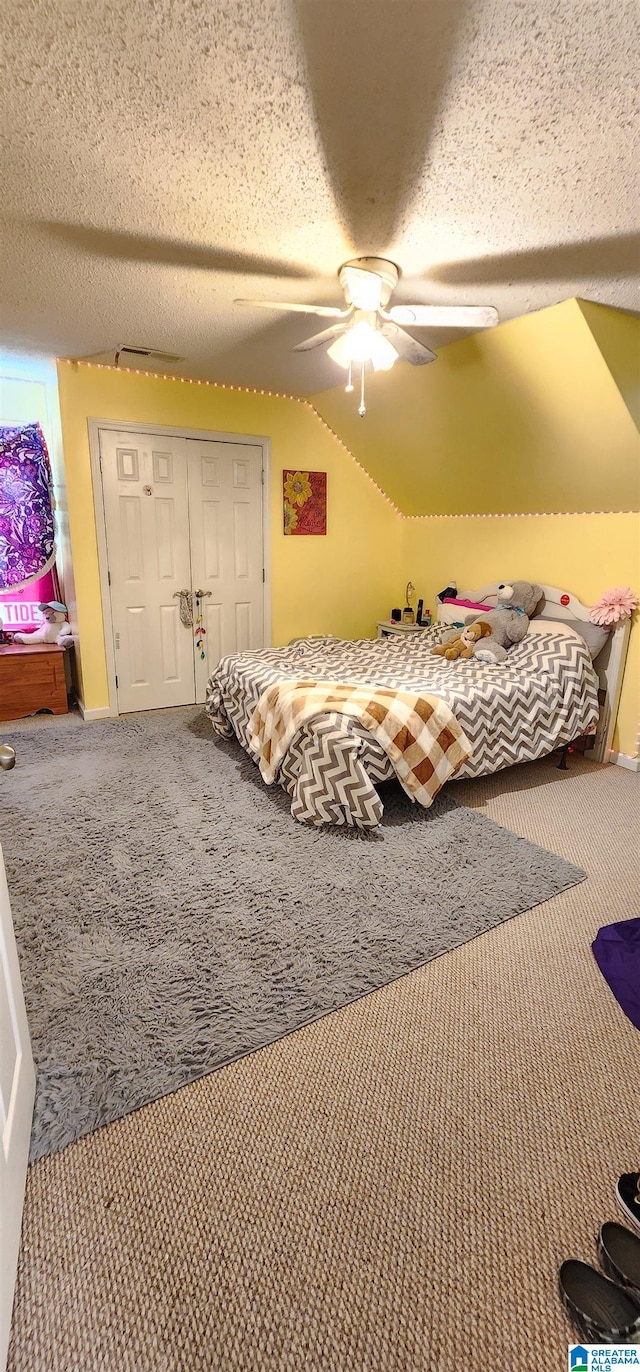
(517, 601)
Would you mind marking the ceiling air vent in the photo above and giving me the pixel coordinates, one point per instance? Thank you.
(153, 354)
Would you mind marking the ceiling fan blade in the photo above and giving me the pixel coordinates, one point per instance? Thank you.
(408, 347)
(365, 288)
(445, 316)
(317, 338)
(327, 311)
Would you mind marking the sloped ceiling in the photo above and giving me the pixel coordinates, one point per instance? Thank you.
(618, 338)
(526, 418)
(165, 158)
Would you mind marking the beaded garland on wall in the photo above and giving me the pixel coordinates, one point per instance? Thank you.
(304, 502)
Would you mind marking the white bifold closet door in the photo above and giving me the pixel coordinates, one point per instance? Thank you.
(144, 480)
(225, 503)
(181, 516)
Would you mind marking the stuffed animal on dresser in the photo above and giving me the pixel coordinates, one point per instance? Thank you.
(517, 602)
(54, 627)
(464, 643)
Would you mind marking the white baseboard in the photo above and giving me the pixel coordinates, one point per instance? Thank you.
(104, 712)
(632, 764)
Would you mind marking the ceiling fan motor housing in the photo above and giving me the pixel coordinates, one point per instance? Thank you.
(378, 266)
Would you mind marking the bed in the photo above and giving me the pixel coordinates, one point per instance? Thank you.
(546, 695)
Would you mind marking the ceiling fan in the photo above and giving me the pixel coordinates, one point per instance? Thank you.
(367, 332)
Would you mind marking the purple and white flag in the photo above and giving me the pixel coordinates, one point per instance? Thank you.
(27, 530)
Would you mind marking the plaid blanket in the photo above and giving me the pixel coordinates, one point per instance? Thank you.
(419, 733)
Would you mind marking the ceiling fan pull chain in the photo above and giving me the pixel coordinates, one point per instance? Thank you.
(362, 409)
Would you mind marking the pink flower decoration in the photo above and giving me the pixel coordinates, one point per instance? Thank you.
(614, 605)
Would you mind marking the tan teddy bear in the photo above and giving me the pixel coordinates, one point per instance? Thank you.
(463, 645)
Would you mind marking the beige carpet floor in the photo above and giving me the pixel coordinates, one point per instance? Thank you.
(391, 1189)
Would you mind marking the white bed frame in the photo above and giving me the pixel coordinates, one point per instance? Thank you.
(609, 664)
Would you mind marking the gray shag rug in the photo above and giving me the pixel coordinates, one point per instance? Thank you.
(171, 916)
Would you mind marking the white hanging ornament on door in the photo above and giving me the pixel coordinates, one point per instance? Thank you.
(186, 607)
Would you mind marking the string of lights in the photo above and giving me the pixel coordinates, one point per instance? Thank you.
(302, 400)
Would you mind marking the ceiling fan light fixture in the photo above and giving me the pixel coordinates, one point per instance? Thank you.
(383, 354)
(364, 288)
(363, 343)
(369, 331)
(340, 352)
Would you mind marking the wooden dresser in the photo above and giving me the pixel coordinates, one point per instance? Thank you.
(32, 678)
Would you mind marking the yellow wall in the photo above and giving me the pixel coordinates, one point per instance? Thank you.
(344, 582)
(584, 553)
(339, 583)
(618, 337)
(524, 417)
(530, 417)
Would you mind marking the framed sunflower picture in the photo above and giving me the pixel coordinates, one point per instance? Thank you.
(304, 502)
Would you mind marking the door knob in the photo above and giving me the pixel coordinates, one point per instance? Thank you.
(7, 757)
(200, 595)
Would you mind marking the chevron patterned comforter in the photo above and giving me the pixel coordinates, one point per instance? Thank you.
(543, 696)
(418, 732)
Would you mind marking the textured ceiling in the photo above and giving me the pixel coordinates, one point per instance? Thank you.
(163, 158)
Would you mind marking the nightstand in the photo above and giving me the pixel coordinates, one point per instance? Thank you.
(388, 628)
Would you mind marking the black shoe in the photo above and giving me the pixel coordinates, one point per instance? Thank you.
(628, 1198)
(619, 1254)
(601, 1311)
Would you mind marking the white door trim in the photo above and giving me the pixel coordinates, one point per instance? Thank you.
(16, 1111)
(124, 426)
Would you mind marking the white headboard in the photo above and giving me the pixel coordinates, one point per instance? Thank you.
(609, 664)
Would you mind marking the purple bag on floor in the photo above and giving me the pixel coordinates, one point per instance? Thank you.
(616, 949)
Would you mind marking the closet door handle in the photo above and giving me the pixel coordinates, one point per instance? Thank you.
(200, 595)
